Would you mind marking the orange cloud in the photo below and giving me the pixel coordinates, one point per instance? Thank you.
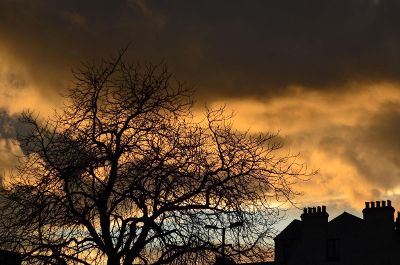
(350, 137)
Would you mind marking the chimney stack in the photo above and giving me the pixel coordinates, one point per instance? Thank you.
(379, 214)
(315, 215)
(314, 231)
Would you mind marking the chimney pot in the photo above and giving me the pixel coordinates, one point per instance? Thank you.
(389, 203)
(372, 204)
(314, 209)
(383, 203)
(309, 210)
(323, 208)
(378, 204)
(319, 209)
(367, 205)
(305, 210)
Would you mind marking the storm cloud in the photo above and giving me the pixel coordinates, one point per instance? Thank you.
(225, 48)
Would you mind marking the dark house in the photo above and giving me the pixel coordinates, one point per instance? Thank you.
(346, 239)
(10, 258)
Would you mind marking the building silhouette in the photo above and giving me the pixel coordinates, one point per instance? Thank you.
(346, 239)
(10, 258)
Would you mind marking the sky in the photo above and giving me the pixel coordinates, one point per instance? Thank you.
(324, 74)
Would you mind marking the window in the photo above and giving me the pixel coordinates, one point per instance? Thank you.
(333, 249)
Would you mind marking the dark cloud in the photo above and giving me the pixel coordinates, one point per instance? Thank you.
(8, 129)
(8, 125)
(225, 48)
(11, 129)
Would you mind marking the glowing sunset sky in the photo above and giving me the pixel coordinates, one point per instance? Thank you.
(323, 73)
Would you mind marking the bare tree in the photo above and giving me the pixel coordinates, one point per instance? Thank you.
(125, 175)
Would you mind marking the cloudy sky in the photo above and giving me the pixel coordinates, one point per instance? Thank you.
(324, 74)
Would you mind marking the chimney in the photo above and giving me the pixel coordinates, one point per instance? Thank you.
(381, 213)
(315, 215)
(314, 231)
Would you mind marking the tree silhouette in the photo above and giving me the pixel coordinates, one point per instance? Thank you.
(125, 175)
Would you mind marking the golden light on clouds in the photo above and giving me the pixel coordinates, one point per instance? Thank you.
(334, 132)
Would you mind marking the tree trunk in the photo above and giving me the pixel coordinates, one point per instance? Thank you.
(113, 261)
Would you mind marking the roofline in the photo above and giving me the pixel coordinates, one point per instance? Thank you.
(344, 212)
